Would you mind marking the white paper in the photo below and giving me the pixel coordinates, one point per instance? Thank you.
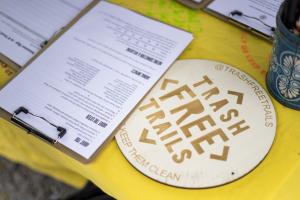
(25, 25)
(93, 76)
(265, 10)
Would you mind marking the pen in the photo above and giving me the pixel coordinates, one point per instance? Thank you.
(285, 11)
(291, 15)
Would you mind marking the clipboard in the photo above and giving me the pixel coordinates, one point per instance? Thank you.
(230, 19)
(61, 131)
(237, 23)
(5, 59)
(204, 6)
(14, 119)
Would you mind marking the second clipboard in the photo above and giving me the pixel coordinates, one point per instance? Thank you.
(242, 18)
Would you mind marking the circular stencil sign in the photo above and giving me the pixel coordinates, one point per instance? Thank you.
(204, 124)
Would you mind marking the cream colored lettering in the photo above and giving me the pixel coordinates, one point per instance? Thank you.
(237, 127)
(194, 107)
(178, 93)
(209, 138)
(199, 123)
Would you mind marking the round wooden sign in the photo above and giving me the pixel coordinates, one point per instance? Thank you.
(204, 124)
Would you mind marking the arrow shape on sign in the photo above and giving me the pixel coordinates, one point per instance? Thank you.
(166, 82)
(144, 137)
(222, 157)
(240, 96)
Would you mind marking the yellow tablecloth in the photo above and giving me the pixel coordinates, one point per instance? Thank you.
(276, 178)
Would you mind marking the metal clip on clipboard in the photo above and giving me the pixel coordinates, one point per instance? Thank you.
(253, 30)
(31, 130)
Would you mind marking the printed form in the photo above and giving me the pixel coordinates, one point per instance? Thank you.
(264, 10)
(26, 25)
(94, 75)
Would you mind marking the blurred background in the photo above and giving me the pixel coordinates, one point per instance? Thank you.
(20, 183)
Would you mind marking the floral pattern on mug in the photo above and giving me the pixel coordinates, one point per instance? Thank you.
(288, 81)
